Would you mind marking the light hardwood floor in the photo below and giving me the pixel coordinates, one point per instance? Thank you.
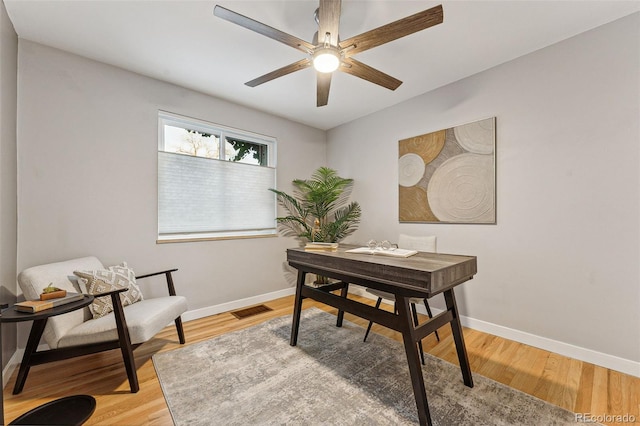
(574, 385)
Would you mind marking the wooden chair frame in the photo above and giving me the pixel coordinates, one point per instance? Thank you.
(34, 357)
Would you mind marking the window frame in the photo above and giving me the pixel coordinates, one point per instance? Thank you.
(222, 132)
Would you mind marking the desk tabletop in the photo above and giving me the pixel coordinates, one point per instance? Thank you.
(428, 272)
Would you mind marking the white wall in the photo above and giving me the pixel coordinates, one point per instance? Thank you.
(561, 264)
(562, 261)
(87, 175)
(8, 225)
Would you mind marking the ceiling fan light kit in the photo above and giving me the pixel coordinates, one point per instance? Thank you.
(331, 54)
(326, 59)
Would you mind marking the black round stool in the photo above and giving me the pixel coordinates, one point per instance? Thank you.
(70, 410)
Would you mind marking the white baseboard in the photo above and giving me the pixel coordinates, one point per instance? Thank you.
(13, 363)
(612, 362)
(236, 304)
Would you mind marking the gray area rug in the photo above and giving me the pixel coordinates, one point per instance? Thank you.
(253, 377)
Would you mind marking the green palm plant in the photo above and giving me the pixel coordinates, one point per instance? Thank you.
(319, 209)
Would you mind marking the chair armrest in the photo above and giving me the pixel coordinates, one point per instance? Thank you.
(167, 273)
(156, 273)
(110, 293)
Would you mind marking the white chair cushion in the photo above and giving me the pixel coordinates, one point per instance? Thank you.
(420, 243)
(33, 280)
(144, 320)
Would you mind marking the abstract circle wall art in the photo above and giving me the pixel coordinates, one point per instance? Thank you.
(449, 176)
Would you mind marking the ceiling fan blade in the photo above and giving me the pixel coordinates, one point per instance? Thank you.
(329, 21)
(392, 31)
(324, 84)
(263, 29)
(288, 69)
(358, 69)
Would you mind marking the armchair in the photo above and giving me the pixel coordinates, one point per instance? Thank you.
(78, 333)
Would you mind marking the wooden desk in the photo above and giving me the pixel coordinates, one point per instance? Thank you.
(422, 275)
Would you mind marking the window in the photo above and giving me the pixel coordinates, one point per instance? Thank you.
(213, 181)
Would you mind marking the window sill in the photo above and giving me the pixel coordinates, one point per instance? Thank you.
(185, 238)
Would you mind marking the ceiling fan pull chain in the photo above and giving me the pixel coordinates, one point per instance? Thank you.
(327, 39)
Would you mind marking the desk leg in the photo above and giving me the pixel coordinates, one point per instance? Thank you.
(413, 359)
(297, 308)
(343, 293)
(37, 328)
(458, 338)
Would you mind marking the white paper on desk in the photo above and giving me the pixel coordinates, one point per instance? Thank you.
(394, 252)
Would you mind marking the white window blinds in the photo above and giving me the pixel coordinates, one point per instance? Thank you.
(203, 195)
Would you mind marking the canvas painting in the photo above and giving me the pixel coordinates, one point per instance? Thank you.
(449, 176)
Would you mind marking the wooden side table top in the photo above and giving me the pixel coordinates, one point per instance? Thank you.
(11, 315)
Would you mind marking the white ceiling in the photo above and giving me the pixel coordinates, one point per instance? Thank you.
(182, 42)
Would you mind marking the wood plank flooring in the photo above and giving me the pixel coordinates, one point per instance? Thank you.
(575, 385)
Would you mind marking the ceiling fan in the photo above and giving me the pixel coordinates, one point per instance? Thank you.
(328, 53)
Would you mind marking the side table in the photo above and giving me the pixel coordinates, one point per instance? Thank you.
(71, 410)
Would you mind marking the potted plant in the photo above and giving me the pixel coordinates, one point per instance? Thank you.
(319, 209)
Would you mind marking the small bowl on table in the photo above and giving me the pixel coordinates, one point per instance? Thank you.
(53, 295)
